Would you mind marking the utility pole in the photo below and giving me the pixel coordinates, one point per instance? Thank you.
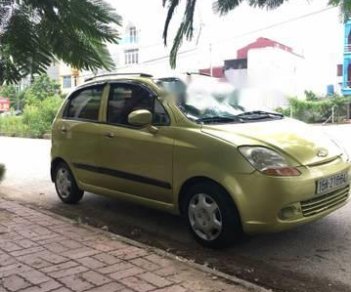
(31, 77)
(75, 74)
(211, 65)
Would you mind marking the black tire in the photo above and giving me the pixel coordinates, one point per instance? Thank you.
(65, 184)
(230, 230)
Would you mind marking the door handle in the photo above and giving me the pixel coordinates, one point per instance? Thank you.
(109, 135)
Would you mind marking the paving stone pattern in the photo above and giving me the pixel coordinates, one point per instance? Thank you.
(40, 253)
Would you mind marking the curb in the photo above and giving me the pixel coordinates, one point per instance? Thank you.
(14, 135)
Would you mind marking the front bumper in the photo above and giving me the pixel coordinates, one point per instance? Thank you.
(272, 204)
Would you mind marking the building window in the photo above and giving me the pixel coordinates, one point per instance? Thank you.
(133, 38)
(131, 56)
(67, 81)
(339, 70)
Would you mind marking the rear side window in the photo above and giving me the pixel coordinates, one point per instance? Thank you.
(85, 104)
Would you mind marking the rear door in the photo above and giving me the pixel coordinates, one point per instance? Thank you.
(78, 131)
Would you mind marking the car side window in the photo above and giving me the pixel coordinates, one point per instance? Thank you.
(161, 117)
(84, 104)
(125, 98)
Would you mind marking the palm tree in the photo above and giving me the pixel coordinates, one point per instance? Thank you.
(221, 7)
(33, 33)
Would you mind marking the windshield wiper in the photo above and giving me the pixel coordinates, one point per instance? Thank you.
(219, 119)
(258, 115)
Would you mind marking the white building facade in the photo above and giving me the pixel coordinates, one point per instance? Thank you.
(267, 73)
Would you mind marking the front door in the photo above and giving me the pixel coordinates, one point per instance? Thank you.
(133, 160)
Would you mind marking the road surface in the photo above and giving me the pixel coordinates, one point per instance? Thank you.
(314, 257)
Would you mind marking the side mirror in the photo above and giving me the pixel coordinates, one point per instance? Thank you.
(140, 118)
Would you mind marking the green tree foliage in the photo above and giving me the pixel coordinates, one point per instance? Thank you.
(38, 31)
(221, 7)
(41, 88)
(41, 104)
(9, 91)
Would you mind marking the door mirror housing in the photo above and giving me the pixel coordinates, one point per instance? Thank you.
(140, 118)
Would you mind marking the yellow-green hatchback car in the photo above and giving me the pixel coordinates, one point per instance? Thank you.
(189, 145)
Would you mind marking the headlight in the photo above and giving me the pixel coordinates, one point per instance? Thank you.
(268, 161)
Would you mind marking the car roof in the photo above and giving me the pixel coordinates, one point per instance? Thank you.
(145, 78)
(136, 76)
(115, 76)
(118, 75)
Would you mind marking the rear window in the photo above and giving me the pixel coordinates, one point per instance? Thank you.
(85, 104)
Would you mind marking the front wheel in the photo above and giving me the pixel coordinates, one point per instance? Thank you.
(66, 186)
(212, 216)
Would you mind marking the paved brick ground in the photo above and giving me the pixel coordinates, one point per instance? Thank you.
(40, 253)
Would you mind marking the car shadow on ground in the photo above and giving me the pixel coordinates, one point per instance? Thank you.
(277, 261)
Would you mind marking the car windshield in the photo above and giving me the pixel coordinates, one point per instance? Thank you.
(204, 99)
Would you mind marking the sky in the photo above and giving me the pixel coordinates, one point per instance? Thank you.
(311, 28)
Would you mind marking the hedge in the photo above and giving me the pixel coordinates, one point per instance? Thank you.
(317, 110)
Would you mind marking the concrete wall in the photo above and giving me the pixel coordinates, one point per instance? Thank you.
(237, 77)
(273, 68)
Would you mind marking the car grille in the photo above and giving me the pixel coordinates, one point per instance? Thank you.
(322, 203)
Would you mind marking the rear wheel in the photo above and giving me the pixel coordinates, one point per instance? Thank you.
(66, 186)
(211, 215)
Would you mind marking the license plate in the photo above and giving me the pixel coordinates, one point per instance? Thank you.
(331, 183)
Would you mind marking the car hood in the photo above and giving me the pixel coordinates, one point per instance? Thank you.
(305, 144)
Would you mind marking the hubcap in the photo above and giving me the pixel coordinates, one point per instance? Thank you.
(63, 183)
(205, 217)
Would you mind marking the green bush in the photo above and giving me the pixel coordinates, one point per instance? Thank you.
(2, 172)
(13, 126)
(39, 116)
(35, 121)
(315, 110)
(40, 103)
